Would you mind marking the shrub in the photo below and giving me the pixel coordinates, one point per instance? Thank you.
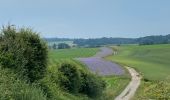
(50, 88)
(69, 77)
(23, 51)
(77, 80)
(92, 85)
(11, 88)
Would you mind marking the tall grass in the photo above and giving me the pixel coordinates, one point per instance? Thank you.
(12, 88)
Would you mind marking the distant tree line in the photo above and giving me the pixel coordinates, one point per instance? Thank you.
(103, 41)
(97, 42)
(148, 40)
(60, 46)
(57, 39)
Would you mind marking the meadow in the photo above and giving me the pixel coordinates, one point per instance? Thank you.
(152, 61)
(72, 53)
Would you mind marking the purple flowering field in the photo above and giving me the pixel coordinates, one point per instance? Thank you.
(103, 67)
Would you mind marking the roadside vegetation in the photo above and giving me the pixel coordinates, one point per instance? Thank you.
(152, 61)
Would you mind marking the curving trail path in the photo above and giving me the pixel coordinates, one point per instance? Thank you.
(130, 90)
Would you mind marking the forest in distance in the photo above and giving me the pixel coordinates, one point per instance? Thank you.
(147, 40)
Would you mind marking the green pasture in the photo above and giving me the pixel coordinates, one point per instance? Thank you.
(153, 61)
(72, 53)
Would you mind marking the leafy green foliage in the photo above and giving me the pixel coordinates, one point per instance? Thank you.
(23, 51)
(12, 88)
(69, 77)
(50, 87)
(92, 85)
(53, 84)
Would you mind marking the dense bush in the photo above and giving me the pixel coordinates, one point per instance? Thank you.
(69, 77)
(11, 88)
(50, 87)
(79, 81)
(92, 85)
(23, 51)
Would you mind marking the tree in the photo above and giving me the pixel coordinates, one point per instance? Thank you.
(54, 46)
(24, 52)
(63, 46)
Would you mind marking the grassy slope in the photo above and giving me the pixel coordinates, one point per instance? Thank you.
(153, 63)
(72, 53)
(115, 85)
(152, 60)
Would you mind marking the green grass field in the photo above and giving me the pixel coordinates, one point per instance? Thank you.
(72, 53)
(152, 61)
(115, 85)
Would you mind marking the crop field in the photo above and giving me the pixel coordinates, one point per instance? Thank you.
(152, 61)
(72, 53)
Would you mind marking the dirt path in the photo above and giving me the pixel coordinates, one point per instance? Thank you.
(130, 90)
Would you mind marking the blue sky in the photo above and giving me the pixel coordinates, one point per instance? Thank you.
(89, 18)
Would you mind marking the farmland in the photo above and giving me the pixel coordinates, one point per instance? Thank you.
(146, 59)
(72, 53)
(152, 61)
(115, 84)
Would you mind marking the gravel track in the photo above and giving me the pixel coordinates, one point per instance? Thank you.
(130, 90)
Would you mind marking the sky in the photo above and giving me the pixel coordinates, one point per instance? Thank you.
(89, 18)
